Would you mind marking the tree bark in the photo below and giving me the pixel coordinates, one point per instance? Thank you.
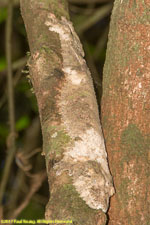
(126, 111)
(73, 145)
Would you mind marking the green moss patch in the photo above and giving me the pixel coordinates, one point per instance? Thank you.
(68, 204)
(123, 193)
(133, 142)
(57, 140)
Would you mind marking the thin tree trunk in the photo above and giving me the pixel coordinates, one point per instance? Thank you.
(126, 111)
(73, 144)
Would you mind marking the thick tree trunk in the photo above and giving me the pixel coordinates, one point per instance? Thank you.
(74, 148)
(126, 111)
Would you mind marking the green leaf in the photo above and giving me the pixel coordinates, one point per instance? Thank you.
(33, 103)
(2, 63)
(23, 86)
(3, 14)
(91, 48)
(22, 123)
(33, 211)
(3, 131)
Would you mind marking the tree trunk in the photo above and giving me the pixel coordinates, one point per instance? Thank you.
(126, 111)
(73, 144)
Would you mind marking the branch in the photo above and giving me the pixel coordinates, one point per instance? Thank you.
(4, 3)
(73, 143)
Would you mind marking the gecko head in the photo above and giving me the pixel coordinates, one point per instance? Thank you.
(94, 189)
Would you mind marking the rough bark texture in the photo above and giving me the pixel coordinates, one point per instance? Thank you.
(76, 160)
(126, 111)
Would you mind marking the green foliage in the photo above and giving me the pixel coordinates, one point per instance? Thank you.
(91, 48)
(22, 123)
(3, 14)
(2, 63)
(77, 20)
(23, 86)
(3, 133)
(33, 211)
(33, 103)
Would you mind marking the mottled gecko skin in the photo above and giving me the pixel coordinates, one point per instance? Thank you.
(85, 161)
